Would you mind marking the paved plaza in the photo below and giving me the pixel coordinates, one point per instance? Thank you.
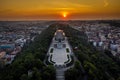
(59, 56)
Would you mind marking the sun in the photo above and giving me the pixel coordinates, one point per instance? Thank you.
(64, 14)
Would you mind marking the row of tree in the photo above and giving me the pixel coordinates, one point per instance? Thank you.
(92, 64)
(29, 65)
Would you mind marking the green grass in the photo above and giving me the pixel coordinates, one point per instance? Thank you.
(71, 62)
(68, 59)
(51, 59)
(51, 50)
(67, 50)
(47, 62)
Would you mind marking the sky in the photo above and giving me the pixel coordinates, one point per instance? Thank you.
(59, 9)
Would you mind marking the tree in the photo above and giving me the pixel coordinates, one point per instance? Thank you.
(71, 74)
(49, 73)
(24, 77)
(36, 74)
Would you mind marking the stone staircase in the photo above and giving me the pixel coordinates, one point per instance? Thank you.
(60, 74)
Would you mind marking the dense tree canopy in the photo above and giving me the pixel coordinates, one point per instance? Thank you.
(30, 60)
(94, 65)
(91, 64)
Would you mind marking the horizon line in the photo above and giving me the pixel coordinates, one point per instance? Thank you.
(60, 20)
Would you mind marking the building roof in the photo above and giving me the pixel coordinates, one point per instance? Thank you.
(59, 34)
(2, 54)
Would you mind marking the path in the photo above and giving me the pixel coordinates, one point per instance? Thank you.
(60, 74)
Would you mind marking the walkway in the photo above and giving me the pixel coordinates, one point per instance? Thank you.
(60, 74)
(59, 56)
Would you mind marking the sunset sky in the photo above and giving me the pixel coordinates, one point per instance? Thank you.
(59, 9)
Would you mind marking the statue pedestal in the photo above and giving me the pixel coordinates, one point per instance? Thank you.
(59, 45)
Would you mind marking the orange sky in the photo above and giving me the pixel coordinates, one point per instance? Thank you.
(55, 9)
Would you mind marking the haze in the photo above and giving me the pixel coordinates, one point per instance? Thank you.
(55, 9)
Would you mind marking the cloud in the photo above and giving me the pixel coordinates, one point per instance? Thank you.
(106, 3)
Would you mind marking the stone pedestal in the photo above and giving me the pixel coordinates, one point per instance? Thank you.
(59, 45)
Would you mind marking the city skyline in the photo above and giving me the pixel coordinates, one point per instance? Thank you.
(59, 10)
